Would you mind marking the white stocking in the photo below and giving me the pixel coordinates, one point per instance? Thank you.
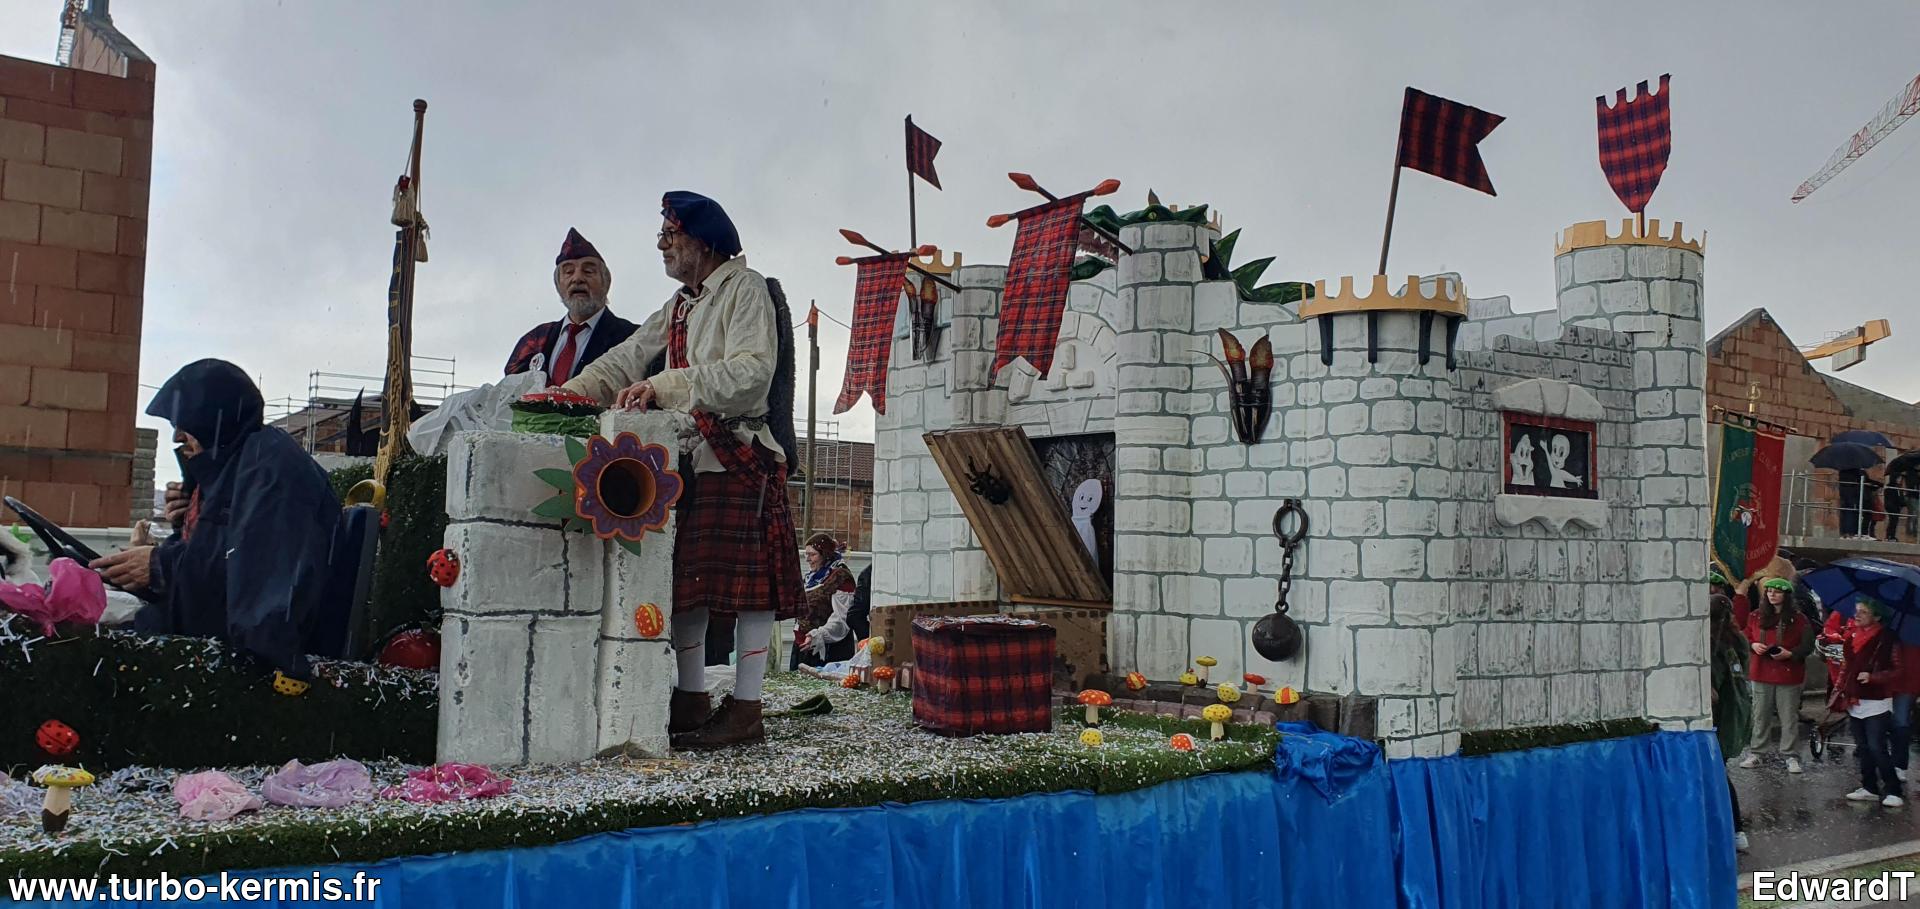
(690, 649)
(752, 635)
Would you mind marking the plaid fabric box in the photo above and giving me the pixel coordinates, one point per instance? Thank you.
(982, 674)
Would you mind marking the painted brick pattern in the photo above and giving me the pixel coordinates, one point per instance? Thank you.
(76, 153)
(1409, 589)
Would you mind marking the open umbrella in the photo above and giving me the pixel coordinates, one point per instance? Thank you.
(1863, 437)
(1845, 456)
(1895, 584)
(1904, 463)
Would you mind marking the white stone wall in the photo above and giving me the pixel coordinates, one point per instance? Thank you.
(1409, 588)
(541, 661)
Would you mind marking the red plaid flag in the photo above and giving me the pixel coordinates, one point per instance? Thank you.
(921, 147)
(1442, 138)
(1635, 138)
(1037, 279)
(876, 296)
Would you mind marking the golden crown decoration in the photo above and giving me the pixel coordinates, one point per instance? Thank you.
(1589, 234)
(1448, 298)
(933, 264)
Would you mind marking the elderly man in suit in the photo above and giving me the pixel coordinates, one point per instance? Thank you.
(590, 328)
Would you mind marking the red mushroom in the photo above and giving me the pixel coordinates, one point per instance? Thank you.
(883, 677)
(1095, 699)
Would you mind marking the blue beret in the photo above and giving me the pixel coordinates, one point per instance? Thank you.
(703, 219)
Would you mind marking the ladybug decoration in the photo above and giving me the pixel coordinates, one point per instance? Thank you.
(443, 567)
(415, 648)
(648, 621)
(57, 738)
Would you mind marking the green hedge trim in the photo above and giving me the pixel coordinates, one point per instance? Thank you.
(1494, 741)
(1058, 766)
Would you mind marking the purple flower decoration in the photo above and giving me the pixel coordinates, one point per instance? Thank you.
(624, 488)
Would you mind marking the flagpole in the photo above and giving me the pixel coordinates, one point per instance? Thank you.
(813, 398)
(1393, 199)
(913, 214)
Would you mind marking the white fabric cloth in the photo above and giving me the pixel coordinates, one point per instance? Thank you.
(732, 346)
(1863, 709)
(479, 408)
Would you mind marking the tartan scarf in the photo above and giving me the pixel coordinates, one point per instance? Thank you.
(1038, 275)
(1635, 139)
(876, 298)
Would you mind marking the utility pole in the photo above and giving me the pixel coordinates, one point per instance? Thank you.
(813, 406)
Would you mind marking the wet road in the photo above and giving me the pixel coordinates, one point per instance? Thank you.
(1795, 819)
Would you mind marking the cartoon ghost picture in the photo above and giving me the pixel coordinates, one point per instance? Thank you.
(1522, 461)
(1086, 501)
(1558, 450)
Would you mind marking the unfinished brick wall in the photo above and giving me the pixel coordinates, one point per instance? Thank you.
(1756, 353)
(76, 151)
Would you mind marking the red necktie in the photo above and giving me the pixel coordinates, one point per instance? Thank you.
(569, 351)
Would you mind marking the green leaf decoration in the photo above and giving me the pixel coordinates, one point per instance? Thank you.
(556, 478)
(576, 451)
(1219, 266)
(557, 508)
(1249, 274)
(1284, 292)
(632, 546)
(1089, 266)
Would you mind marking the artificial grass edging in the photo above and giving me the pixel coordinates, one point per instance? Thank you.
(347, 836)
(1494, 741)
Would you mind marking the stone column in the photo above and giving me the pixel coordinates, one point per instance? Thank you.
(1376, 440)
(1651, 287)
(540, 657)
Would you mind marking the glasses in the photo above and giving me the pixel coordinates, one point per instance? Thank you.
(669, 235)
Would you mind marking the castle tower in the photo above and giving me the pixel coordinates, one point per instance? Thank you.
(1650, 287)
(1373, 427)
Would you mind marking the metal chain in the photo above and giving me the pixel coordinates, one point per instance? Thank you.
(1289, 545)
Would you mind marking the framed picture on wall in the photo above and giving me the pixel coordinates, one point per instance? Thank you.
(1548, 456)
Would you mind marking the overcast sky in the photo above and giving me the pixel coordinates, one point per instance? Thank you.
(280, 127)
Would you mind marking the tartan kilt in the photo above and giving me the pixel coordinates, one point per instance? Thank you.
(982, 674)
(721, 556)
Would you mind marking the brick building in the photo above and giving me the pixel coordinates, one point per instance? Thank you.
(1753, 363)
(76, 151)
(842, 493)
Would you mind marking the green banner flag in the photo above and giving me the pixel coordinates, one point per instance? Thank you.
(1746, 498)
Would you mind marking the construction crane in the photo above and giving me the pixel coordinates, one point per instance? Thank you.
(1850, 348)
(1904, 105)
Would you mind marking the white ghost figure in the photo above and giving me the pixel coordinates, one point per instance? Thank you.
(1086, 501)
(1558, 449)
(1523, 461)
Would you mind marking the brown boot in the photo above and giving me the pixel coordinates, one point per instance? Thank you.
(735, 723)
(688, 710)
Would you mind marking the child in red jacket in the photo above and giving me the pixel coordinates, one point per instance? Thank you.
(1781, 637)
(1866, 688)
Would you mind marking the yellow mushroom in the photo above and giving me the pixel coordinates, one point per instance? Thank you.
(1205, 663)
(1217, 714)
(876, 646)
(1188, 678)
(1229, 692)
(60, 783)
(1092, 738)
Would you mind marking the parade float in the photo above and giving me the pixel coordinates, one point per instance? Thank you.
(1359, 592)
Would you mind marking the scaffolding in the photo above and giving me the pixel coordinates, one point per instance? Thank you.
(330, 396)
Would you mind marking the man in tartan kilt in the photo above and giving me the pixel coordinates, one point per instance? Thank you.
(735, 553)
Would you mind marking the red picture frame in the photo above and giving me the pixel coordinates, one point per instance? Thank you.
(1543, 481)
